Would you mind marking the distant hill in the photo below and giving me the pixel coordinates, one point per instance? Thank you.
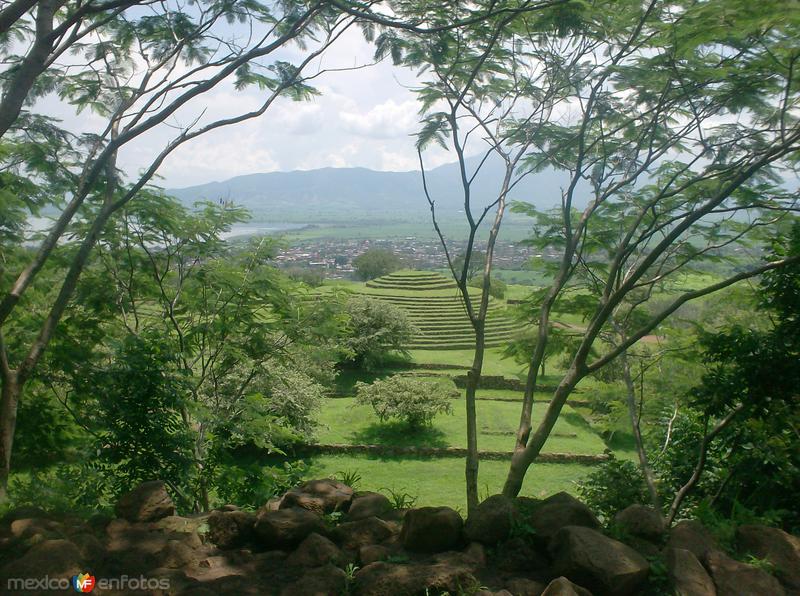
(358, 193)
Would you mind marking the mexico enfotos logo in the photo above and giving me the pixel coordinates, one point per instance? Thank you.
(86, 582)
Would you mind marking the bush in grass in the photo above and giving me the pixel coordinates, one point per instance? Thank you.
(376, 262)
(374, 329)
(413, 400)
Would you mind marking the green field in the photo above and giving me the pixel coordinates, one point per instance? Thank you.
(342, 421)
(440, 481)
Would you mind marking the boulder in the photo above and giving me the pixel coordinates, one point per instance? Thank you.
(177, 554)
(686, 575)
(230, 529)
(320, 496)
(373, 552)
(692, 536)
(147, 502)
(522, 586)
(23, 512)
(561, 586)
(733, 578)
(387, 579)
(316, 551)
(51, 558)
(286, 527)
(779, 547)
(368, 504)
(431, 529)
(322, 581)
(24, 528)
(353, 535)
(558, 511)
(641, 521)
(600, 563)
(492, 521)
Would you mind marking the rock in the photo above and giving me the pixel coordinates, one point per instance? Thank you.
(492, 521)
(561, 586)
(91, 549)
(386, 579)
(431, 529)
(692, 536)
(176, 554)
(779, 547)
(320, 496)
(315, 551)
(558, 511)
(733, 578)
(373, 552)
(641, 521)
(286, 527)
(51, 558)
(687, 576)
(518, 555)
(26, 528)
(353, 535)
(323, 581)
(522, 586)
(147, 502)
(367, 505)
(230, 529)
(601, 564)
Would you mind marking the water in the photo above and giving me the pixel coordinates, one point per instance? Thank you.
(240, 230)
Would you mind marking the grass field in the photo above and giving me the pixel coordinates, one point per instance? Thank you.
(440, 481)
(342, 421)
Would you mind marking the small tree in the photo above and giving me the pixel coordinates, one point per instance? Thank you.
(375, 262)
(413, 400)
(374, 329)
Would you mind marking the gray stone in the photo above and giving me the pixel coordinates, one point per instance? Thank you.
(431, 529)
(687, 576)
(147, 502)
(597, 562)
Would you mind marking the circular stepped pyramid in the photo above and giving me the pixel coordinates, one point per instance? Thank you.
(440, 317)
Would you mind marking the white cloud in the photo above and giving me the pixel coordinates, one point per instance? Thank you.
(386, 120)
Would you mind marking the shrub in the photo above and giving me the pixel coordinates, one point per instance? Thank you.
(613, 486)
(373, 330)
(413, 400)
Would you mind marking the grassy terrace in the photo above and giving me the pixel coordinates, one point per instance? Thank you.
(446, 338)
(437, 310)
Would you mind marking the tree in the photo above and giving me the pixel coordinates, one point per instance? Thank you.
(481, 84)
(373, 331)
(375, 262)
(141, 66)
(674, 170)
(415, 401)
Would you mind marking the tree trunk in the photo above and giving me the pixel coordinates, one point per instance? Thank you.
(644, 463)
(9, 400)
(523, 458)
(473, 379)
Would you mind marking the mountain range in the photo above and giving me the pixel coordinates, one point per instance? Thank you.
(345, 193)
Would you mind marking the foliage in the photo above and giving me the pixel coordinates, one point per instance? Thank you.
(376, 262)
(141, 397)
(373, 330)
(415, 401)
(68, 488)
(611, 487)
(251, 484)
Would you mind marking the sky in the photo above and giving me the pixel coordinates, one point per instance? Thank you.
(363, 118)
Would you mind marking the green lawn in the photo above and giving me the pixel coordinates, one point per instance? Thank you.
(342, 421)
(440, 481)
